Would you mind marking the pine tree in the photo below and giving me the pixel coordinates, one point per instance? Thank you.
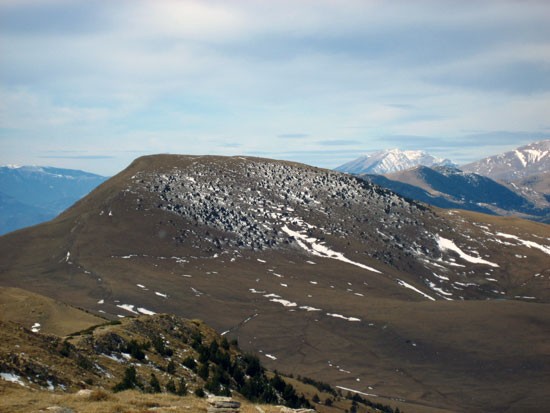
(155, 384)
(203, 371)
(182, 387)
(171, 387)
(171, 367)
(129, 381)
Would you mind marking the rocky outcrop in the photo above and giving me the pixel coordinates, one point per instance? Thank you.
(218, 404)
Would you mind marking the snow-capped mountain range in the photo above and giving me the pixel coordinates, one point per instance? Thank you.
(391, 160)
(520, 163)
(511, 183)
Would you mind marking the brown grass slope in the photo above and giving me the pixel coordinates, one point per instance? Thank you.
(156, 238)
(80, 371)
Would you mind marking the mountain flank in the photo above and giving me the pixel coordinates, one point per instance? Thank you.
(523, 162)
(33, 194)
(446, 187)
(319, 273)
(178, 361)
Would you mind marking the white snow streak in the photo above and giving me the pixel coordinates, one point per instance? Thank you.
(127, 307)
(447, 244)
(308, 308)
(13, 378)
(528, 244)
(407, 285)
(285, 303)
(314, 247)
(357, 391)
(145, 311)
(343, 317)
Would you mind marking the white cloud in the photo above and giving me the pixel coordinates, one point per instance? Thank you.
(188, 76)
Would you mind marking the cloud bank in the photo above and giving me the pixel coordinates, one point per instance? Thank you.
(323, 78)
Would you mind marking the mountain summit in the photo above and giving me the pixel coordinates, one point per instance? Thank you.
(391, 160)
(319, 273)
(523, 162)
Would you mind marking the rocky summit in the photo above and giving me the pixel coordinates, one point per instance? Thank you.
(319, 273)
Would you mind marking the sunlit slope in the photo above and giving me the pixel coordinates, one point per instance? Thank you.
(323, 274)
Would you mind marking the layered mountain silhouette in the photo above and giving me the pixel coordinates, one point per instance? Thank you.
(446, 187)
(33, 194)
(391, 160)
(513, 183)
(320, 273)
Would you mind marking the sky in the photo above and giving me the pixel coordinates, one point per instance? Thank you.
(93, 85)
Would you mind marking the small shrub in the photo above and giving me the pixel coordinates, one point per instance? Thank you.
(129, 381)
(135, 350)
(65, 349)
(160, 347)
(203, 371)
(154, 383)
(190, 363)
(225, 344)
(99, 395)
(171, 367)
(182, 387)
(84, 362)
(171, 386)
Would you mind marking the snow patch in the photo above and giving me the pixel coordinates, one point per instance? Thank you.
(145, 311)
(407, 285)
(285, 303)
(344, 317)
(12, 378)
(528, 244)
(308, 308)
(357, 391)
(447, 244)
(127, 307)
(314, 247)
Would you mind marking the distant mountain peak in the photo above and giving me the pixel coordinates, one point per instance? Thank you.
(35, 194)
(392, 160)
(522, 162)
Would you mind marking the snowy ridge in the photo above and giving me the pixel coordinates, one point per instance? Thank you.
(392, 160)
(519, 163)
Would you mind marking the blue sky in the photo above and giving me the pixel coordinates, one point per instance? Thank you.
(94, 84)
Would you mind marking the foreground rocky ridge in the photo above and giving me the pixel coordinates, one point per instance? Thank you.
(166, 355)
